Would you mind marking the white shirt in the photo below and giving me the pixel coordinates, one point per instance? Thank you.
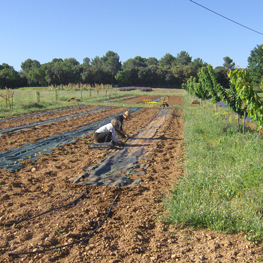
(108, 128)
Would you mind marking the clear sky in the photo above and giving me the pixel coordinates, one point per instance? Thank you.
(45, 29)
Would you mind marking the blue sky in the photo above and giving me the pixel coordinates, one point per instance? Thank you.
(46, 29)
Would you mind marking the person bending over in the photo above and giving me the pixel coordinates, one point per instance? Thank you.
(120, 118)
(106, 133)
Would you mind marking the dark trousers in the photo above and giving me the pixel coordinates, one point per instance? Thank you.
(102, 137)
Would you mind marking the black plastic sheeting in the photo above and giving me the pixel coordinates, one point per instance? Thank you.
(107, 173)
(117, 168)
(45, 122)
(41, 113)
(10, 160)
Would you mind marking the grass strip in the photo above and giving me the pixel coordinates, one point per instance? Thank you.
(223, 186)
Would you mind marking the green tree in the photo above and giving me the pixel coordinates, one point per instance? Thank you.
(123, 78)
(71, 61)
(56, 60)
(152, 61)
(111, 64)
(255, 64)
(145, 76)
(197, 89)
(9, 77)
(182, 73)
(197, 64)
(128, 77)
(86, 62)
(183, 59)
(96, 62)
(222, 77)
(167, 61)
(29, 65)
(136, 62)
(207, 79)
(229, 64)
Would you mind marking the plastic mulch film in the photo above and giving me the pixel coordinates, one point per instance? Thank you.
(10, 160)
(45, 122)
(117, 168)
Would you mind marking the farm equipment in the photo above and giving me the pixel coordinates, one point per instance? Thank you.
(162, 103)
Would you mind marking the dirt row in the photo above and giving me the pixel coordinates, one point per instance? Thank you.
(8, 141)
(49, 115)
(172, 100)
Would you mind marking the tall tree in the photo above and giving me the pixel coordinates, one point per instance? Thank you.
(152, 61)
(71, 61)
(255, 64)
(86, 62)
(96, 62)
(136, 62)
(167, 61)
(182, 73)
(29, 64)
(9, 77)
(111, 64)
(229, 64)
(183, 59)
(222, 77)
(197, 64)
(56, 60)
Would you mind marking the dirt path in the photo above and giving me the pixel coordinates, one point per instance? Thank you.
(133, 231)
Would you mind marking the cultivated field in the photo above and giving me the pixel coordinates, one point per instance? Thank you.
(53, 210)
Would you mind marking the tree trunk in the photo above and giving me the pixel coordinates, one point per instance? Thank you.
(215, 107)
(245, 115)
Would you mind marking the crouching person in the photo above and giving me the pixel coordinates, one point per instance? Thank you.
(120, 118)
(106, 133)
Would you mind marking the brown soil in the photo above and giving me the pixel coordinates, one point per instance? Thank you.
(41, 117)
(133, 231)
(140, 99)
(175, 100)
(172, 100)
(172, 91)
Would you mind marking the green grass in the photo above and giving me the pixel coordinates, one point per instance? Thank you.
(25, 99)
(223, 186)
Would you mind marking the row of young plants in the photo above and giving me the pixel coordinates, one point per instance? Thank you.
(241, 97)
(223, 189)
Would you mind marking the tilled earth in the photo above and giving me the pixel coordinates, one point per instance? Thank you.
(133, 230)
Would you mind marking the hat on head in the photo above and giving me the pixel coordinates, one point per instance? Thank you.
(127, 114)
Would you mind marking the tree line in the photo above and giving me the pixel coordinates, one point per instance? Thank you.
(170, 71)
